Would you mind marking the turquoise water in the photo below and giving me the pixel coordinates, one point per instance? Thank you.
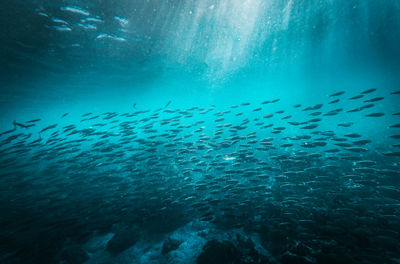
(199, 131)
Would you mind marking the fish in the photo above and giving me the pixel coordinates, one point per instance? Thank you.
(332, 150)
(375, 115)
(369, 91)
(314, 120)
(334, 101)
(315, 107)
(356, 97)
(356, 149)
(315, 113)
(64, 115)
(366, 106)
(34, 120)
(310, 126)
(362, 142)
(8, 131)
(376, 99)
(75, 9)
(353, 110)
(48, 128)
(16, 124)
(391, 154)
(395, 92)
(348, 124)
(337, 94)
(352, 135)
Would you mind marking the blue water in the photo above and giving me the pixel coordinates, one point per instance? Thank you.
(162, 147)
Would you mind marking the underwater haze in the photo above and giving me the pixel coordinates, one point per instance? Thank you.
(209, 131)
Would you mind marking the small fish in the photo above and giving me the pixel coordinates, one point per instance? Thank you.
(362, 142)
(395, 125)
(337, 94)
(348, 124)
(134, 105)
(366, 106)
(395, 92)
(332, 150)
(334, 101)
(275, 101)
(369, 91)
(331, 113)
(310, 126)
(314, 120)
(356, 149)
(315, 107)
(64, 115)
(356, 97)
(352, 135)
(297, 105)
(294, 123)
(353, 110)
(75, 9)
(315, 114)
(15, 123)
(169, 102)
(376, 99)
(48, 127)
(391, 154)
(375, 115)
(34, 120)
(343, 144)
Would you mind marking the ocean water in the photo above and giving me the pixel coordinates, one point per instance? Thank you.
(212, 131)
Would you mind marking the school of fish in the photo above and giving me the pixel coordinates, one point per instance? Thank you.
(312, 195)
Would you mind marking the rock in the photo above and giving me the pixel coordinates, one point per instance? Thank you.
(169, 245)
(97, 243)
(290, 258)
(219, 253)
(300, 249)
(123, 240)
(74, 255)
(237, 251)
